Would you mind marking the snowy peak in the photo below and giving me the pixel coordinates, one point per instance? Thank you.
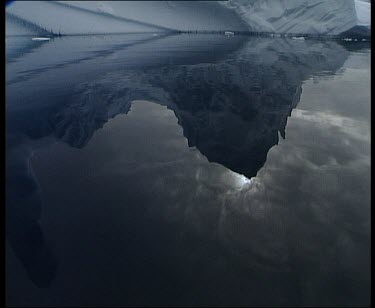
(296, 16)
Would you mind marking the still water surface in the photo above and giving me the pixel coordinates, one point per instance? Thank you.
(187, 170)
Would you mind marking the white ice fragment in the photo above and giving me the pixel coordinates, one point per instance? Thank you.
(40, 39)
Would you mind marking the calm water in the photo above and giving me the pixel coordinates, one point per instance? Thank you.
(187, 170)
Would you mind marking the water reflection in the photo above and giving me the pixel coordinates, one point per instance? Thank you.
(232, 110)
(232, 100)
(24, 205)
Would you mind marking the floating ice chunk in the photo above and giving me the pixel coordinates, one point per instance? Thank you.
(40, 38)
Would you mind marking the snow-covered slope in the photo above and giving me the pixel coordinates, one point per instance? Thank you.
(331, 17)
(59, 18)
(20, 26)
(177, 15)
(88, 17)
(296, 16)
(363, 10)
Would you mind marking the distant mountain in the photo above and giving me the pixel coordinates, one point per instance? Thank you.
(309, 17)
(301, 16)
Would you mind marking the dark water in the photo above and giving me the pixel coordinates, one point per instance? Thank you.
(187, 170)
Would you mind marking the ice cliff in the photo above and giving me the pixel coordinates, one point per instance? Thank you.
(278, 16)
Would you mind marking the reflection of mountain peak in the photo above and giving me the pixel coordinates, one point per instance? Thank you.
(77, 122)
(231, 108)
(232, 111)
(231, 104)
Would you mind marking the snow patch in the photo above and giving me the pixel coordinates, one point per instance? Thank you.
(296, 16)
(363, 10)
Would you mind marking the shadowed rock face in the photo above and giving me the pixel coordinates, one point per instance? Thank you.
(232, 109)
